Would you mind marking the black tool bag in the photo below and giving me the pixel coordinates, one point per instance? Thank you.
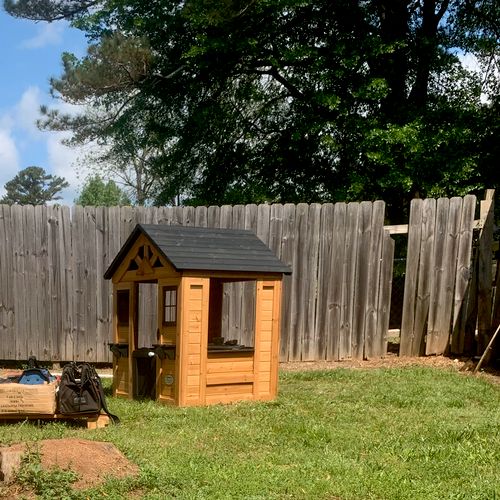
(80, 391)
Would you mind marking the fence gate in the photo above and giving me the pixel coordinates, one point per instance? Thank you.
(436, 310)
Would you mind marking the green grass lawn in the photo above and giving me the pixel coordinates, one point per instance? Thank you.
(408, 433)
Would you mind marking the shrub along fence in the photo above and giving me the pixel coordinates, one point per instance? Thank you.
(55, 304)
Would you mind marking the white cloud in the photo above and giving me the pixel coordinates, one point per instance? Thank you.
(22, 143)
(47, 34)
(64, 162)
(9, 159)
(27, 111)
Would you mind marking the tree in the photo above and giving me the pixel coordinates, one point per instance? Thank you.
(33, 186)
(96, 192)
(289, 100)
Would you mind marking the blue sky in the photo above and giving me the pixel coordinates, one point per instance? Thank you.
(30, 53)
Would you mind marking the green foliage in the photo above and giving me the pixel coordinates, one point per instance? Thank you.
(33, 186)
(235, 102)
(341, 433)
(54, 484)
(96, 192)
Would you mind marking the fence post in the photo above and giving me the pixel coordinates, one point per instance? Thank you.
(484, 272)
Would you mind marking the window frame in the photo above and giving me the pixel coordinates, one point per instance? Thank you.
(171, 306)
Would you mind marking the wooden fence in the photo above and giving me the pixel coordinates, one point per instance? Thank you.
(449, 301)
(54, 303)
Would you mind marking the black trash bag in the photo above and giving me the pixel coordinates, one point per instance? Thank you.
(80, 392)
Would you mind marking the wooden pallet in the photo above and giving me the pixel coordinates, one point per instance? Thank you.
(96, 421)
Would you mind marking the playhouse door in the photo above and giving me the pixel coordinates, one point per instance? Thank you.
(168, 324)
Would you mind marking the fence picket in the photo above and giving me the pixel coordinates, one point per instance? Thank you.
(425, 276)
(336, 285)
(463, 275)
(408, 345)
(361, 283)
(287, 251)
(323, 326)
(348, 280)
(374, 257)
(384, 296)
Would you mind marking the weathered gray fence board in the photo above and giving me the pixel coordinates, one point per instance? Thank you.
(20, 287)
(90, 278)
(434, 336)
(213, 216)
(67, 287)
(408, 343)
(298, 283)
(446, 295)
(463, 275)
(437, 305)
(335, 279)
(384, 296)
(79, 282)
(324, 295)
(287, 250)
(102, 288)
(308, 306)
(425, 274)
(484, 274)
(371, 341)
(6, 306)
(30, 299)
(361, 288)
(349, 280)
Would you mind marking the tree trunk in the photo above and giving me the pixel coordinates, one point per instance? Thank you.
(425, 51)
(394, 28)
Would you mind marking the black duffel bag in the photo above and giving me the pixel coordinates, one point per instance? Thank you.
(80, 391)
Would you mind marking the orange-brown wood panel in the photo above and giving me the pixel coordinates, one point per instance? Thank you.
(245, 388)
(229, 378)
(166, 382)
(229, 367)
(193, 340)
(120, 376)
(267, 337)
(228, 398)
(275, 341)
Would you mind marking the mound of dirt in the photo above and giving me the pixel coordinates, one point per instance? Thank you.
(93, 461)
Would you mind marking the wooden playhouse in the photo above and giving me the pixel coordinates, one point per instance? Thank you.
(191, 362)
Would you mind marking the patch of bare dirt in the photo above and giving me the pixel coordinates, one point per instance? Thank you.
(92, 461)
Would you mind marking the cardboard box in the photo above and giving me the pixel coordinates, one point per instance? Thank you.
(21, 399)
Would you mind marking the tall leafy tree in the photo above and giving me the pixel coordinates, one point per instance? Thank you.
(33, 186)
(288, 100)
(97, 192)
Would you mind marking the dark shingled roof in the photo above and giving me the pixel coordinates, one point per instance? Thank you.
(204, 249)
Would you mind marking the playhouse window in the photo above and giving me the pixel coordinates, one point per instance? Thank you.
(170, 305)
(122, 307)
